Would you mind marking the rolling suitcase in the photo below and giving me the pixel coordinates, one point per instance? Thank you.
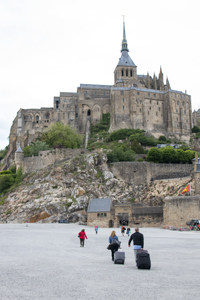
(119, 257)
(143, 260)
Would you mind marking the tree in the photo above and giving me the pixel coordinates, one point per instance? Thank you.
(168, 154)
(136, 147)
(62, 136)
(6, 181)
(154, 155)
(34, 148)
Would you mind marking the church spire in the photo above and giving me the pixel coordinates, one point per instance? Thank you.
(124, 41)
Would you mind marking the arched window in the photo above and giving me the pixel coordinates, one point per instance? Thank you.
(131, 73)
(122, 72)
(126, 72)
(47, 115)
(37, 119)
(89, 112)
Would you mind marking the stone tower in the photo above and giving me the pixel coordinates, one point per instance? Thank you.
(19, 157)
(125, 73)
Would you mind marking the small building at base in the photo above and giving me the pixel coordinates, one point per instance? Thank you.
(103, 212)
(99, 212)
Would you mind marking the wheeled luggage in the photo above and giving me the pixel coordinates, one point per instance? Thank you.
(143, 260)
(119, 257)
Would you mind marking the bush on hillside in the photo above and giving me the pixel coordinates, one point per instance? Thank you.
(122, 134)
(170, 155)
(62, 136)
(121, 154)
(34, 148)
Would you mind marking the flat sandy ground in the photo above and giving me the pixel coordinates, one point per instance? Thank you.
(45, 261)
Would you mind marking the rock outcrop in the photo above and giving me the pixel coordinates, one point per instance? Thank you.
(63, 191)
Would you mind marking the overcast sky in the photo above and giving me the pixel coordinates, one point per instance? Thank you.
(52, 46)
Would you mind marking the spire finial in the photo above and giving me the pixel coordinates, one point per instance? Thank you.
(124, 41)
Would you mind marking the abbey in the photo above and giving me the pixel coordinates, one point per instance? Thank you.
(133, 101)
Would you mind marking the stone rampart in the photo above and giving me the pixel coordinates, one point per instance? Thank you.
(178, 210)
(46, 158)
(143, 172)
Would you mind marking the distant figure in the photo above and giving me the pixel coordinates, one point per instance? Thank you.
(138, 241)
(96, 228)
(123, 230)
(128, 231)
(114, 243)
(82, 235)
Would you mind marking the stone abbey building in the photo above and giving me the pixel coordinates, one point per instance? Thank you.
(133, 101)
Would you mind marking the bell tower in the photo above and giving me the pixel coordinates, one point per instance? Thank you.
(126, 71)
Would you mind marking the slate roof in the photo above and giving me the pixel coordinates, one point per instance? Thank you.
(125, 60)
(99, 205)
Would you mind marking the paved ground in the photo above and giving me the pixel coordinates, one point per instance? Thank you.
(44, 261)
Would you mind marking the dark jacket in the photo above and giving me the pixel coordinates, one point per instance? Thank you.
(137, 239)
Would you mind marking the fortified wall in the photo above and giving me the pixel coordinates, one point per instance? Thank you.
(178, 210)
(143, 172)
(45, 158)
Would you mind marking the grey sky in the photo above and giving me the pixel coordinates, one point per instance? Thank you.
(51, 46)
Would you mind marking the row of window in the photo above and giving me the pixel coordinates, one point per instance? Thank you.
(101, 214)
(127, 73)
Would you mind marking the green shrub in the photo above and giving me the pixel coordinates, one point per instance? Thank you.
(62, 136)
(195, 129)
(136, 147)
(34, 148)
(119, 154)
(154, 155)
(122, 134)
(3, 152)
(6, 181)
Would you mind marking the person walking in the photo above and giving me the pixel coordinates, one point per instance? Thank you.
(138, 241)
(128, 231)
(82, 235)
(96, 228)
(123, 230)
(114, 243)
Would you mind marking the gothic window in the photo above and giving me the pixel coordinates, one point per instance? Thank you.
(89, 112)
(57, 104)
(122, 72)
(131, 73)
(37, 119)
(126, 72)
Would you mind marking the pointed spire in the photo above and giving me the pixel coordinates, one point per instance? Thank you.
(124, 41)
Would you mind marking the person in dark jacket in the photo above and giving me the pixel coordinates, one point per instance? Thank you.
(138, 241)
(82, 235)
(113, 243)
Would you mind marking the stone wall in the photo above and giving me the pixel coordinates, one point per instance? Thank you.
(138, 215)
(101, 221)
(143, 172)
(46, 158)
(178, 210)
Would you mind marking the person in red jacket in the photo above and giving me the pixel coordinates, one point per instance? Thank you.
(82, 235)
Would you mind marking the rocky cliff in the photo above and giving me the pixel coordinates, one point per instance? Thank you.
(63, 190)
